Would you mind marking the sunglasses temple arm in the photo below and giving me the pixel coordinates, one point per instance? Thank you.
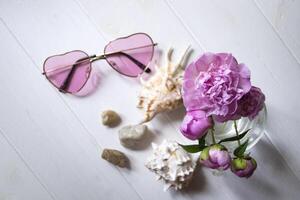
(138, 63)
(135, 61)
(67, 81)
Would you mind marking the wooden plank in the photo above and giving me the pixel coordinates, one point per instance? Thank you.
(16, 180)
(53, 143)
(285, 19)
(240, 28)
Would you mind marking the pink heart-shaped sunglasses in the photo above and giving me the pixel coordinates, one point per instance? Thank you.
(129, 56)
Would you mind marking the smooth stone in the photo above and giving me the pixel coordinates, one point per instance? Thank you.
(110, 118)
(132, 136)
(115, 157)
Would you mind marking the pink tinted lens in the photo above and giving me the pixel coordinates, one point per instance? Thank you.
(57, 68)
(138, 46)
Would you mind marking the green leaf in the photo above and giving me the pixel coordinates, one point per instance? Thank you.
(240, 136)
(192, 148)
(201, 141)
(195, 147)
(240, 150)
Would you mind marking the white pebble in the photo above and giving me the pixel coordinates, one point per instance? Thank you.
(132, 136)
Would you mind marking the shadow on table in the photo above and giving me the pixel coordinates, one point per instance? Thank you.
(146, 141)
(177, 115)
(273, 179)
(92, 83)
(197, 185)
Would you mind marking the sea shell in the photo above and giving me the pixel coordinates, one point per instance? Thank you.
(132, 136)
(172, 164)
(162, 92)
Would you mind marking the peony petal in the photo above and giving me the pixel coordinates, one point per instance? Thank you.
(204, 62)
(188, 84)
(198, 114)
(228, 59)
(213, 155)
(244, 81)
(232, 107)
(201, 66)
(209, 164)
(223, 158)
(244, 71)
(190, 72)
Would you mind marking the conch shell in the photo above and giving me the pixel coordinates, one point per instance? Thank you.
(162, 92)
(171, 163)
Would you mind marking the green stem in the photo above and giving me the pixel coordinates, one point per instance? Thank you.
(212, 130)
(236, 131)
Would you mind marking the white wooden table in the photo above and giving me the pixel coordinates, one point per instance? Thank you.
(50, 143)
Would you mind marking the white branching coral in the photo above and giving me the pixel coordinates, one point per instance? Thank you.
(162, 92)
(171, 163)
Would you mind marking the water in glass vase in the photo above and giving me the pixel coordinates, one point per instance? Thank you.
(226, 130)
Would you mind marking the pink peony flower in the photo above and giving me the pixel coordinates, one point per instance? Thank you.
(248, 106)
(215, 157)
(195, 124)
(214, 84)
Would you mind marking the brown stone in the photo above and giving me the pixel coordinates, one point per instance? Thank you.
(110, 118)
(115, 157)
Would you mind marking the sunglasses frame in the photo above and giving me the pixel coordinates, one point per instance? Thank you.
(64, 91)
(93, 58)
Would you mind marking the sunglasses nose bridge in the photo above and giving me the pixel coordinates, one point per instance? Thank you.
(95, 57)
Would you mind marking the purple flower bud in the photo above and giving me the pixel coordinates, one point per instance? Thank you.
(251, 103)
(195, 124)
(243, 167)
(216, 157)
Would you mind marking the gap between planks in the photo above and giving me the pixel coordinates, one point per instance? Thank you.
(276, 32)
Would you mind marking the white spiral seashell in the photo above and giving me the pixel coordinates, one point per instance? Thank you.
(171, 163)
(162, 91)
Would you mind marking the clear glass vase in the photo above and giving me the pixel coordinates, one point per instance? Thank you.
(226, 129)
